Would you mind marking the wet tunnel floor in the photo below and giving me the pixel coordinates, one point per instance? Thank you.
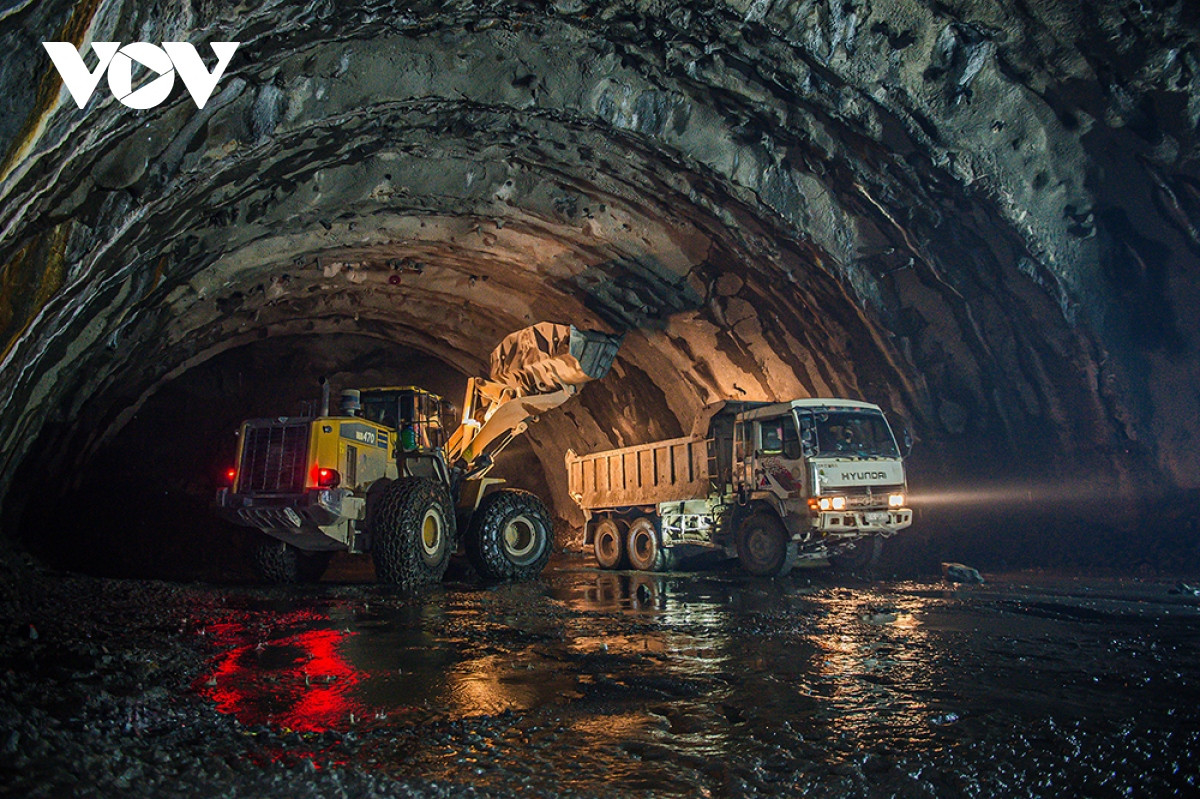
(595, 683)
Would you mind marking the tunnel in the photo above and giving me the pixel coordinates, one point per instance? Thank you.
(982, 217)
(988, 230)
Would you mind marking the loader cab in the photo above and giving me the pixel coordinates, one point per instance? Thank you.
(422, 420)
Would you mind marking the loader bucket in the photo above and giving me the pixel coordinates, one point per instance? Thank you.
(546, 357)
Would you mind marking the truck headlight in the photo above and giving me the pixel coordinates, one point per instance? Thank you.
(895, 500)
(832, 503)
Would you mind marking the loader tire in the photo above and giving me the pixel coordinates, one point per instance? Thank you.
(862, 558)
(509, 536)
(762, 545)
(413, 533)
(644, 547)
(277, 561)
(609, 545)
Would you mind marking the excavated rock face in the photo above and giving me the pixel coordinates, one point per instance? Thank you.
(984, 216)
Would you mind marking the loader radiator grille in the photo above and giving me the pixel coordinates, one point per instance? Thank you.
(274, 458)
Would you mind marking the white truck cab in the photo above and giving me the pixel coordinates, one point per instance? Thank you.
(827, 465)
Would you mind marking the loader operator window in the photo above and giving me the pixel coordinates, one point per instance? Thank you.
(381, 410)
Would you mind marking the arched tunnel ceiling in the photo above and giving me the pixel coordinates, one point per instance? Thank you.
(985, 216)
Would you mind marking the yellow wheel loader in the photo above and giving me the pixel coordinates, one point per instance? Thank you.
(397, 473)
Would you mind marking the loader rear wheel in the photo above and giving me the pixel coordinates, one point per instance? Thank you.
(413, 533)
(644, 548)
(509, 537)
(762, 545)
(279, 562)
(609, 544)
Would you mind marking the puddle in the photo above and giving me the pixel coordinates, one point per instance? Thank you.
(700, 684)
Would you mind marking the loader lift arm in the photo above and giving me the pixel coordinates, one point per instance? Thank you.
(533, 370)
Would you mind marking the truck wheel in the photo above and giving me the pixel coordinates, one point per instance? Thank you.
(645, 550)
(762, 545)
(279, 562)
(509, 537)
(610, 545)
(413, 533)
(863, 557)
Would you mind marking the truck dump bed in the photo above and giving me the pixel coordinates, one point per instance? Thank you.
(665, 471)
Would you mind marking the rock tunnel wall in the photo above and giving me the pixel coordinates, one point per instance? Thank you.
(983, 216)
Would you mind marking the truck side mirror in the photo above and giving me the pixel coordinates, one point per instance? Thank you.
(908, 442)
(806, 442)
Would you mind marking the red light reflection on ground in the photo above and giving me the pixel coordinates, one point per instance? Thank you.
(299, 683)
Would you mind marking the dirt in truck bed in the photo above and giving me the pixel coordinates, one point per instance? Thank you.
(596, 683)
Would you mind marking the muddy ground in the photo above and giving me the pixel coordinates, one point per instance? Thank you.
(599, 684)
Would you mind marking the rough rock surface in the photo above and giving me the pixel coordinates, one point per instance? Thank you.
(984, 216)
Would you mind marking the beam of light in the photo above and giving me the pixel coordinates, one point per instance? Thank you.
(1047, 494)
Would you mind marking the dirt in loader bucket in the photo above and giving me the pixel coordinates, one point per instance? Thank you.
(546, 357)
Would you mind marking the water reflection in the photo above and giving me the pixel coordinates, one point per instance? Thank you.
(872, 668)
(310, 682)
(340, 666)
(690, 685)
(839, 661)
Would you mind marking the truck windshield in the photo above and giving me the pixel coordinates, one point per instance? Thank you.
(854, 433)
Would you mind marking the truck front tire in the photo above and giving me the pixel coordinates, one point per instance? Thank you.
(762, 545)
(280, 562)
(413, 533)
(509, 536)
(609, 544)
(644, 548)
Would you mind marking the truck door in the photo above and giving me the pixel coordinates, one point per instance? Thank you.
(780, 460)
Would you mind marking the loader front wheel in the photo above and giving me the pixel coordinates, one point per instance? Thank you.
(510, 536)
(277, 561)
(610, 548)
(413, 533)
(762, 546)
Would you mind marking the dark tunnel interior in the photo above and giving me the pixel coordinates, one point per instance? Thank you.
(992, 237)
(981, 216)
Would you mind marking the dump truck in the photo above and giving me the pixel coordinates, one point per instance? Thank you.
(402, 474)
(769, 483)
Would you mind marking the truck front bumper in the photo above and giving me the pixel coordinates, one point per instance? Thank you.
(853, 523)
(309, 510)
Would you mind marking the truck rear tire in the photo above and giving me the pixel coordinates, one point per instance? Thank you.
(280, 562)
(644, 547)
(413, 533)
(609, 544)
(762, 545)
(509, 536)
